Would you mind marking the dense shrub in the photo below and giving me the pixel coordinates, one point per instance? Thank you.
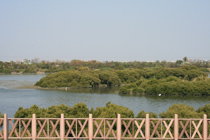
(169, 86)
(80, 110)
(185, 80)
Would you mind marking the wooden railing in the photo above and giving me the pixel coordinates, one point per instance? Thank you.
(104, 128)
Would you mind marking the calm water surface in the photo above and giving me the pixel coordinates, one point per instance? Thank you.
(11, 98)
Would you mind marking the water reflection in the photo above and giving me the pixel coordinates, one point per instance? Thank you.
(100, 90)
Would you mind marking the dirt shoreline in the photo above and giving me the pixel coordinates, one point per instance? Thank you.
(26, 87)
(12, 84)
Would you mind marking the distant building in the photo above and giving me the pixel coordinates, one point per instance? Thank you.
(18, 61)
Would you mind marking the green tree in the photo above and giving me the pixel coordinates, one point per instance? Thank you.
(111, 111)
(179, 62)
(142, 114)
(204, 110)
(80, 110)
(183, 111)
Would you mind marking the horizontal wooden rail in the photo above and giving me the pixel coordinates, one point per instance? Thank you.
(104, 128)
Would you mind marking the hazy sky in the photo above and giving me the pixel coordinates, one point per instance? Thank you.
(118, 30)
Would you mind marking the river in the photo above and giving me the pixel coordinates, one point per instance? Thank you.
(18, 91)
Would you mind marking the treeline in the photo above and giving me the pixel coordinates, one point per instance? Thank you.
(32, 66)
(80, 110)
(183, 80)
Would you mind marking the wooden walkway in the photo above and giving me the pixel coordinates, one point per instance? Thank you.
(104, 128)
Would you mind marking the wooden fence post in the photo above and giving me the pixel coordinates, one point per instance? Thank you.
(90, 127)
(6, 127)
(118, 127)
(205, 127)
(34, 126)
(62, 127)
(176, 127)
(147, 127)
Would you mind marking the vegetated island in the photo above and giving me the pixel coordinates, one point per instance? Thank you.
(186, 80)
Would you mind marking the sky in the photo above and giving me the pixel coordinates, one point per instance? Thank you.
(104, 30)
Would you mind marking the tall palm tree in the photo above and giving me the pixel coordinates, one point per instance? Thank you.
(185, 59)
